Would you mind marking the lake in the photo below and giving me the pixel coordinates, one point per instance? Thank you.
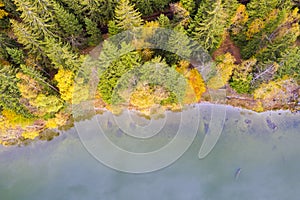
(256, 157)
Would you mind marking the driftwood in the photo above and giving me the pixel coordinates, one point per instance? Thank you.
(240, 98)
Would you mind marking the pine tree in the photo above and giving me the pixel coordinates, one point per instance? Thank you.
(126, 16)
(6, 42)
(10, 7)
(144, 6)
(242, 76)
(67, 21)
(209, 24)
(100, 11)
(26, 37)
(31, 18)
(93, 31)
(224, 69)
(189, 5)
(261, 8)
(74, 5)
(163, 21)
(16, 55)
(10, 94)
(61, 55)
(113, 29)
(179, 43)
(115, 64)
(290, 64)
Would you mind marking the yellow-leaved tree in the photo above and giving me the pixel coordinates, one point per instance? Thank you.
(65, 83)
(196, 85)
(3, 13)
(224, 69)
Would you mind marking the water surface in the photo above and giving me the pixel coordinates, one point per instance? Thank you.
(268, 157)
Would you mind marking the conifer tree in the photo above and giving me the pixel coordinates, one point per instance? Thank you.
(16, 55)
(144, 6)
(26, 37)
(67, 21)
(163, 21)
(126, 16)
(189, 5)
(209, 24)
(6, 42)
(115, 69)
(9, 7)
(10, 94)
(61, 55)
(30, 14)
(261, 8)
(224, 69)
(100, 11)
(93, 31)
(113, 29)
(179, 43)
(74, 5)
(290, 64)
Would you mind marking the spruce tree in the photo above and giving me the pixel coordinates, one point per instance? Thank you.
(115, 63)
(126, 16)
(10, 94)
(209, 24)
(26, 37)
(93, 32)
(189, 5)
(163, 21)
(39, 24)
(100, 11)
(261, 8)
(61, 55)
(67, 21)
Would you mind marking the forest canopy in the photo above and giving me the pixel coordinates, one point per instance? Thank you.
(43, 43)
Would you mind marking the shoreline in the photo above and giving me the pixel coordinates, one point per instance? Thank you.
(16, 138)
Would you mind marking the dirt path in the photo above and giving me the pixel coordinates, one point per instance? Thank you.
(229, 47)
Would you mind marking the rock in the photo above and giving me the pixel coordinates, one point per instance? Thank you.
(248, 121)
(271, 124)
(206, 126)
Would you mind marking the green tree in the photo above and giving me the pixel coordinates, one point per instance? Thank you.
(189, 5)
(113, 71)
(67, 21)
(74, 5)
(261, 8)
(242, 76)
(93, 32)
(126, 16)
(163, 21)
(100, 11)
(6, 42)
(39, 25)
(144, 6)
(10, 94)
(290, 64)
(113, 29)
(16, 55)
(61, 55)
(179, 42)
(26, 37)
(209, 24)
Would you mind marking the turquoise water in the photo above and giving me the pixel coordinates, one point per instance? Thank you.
(268, 159)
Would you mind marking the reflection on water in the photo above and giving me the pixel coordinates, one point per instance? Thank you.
(265, 147)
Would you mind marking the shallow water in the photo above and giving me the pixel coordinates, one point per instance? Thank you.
(63, 169)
